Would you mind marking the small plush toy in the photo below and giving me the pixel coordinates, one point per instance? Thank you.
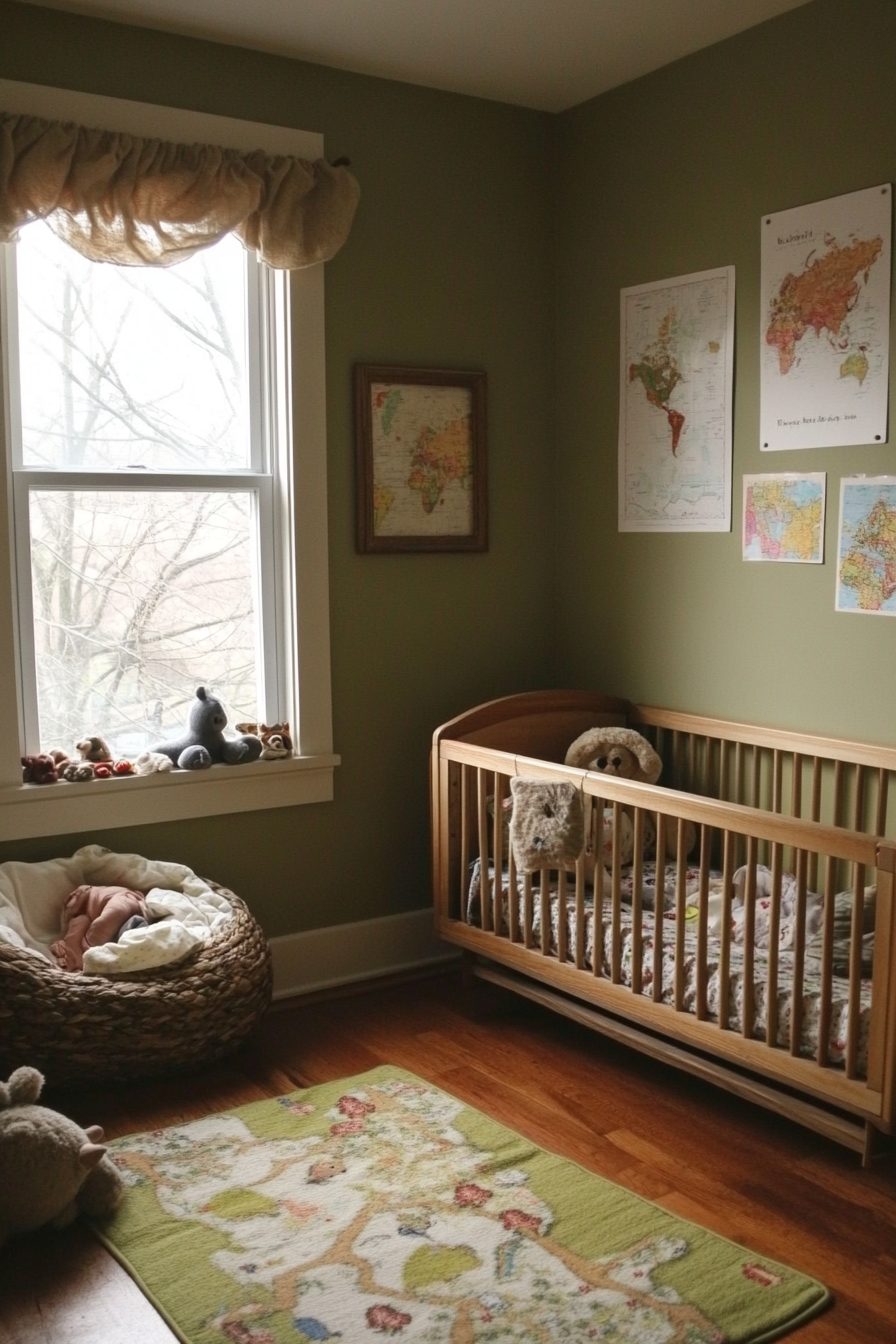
(547, 826)
(616, 751)
(78, 772)
(50, 1168)
(622, 753)
(122, 767)
(39, 769)
(94, 749)
(152, 763)
(204, 742)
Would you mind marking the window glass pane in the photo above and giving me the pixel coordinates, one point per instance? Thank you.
(140, 597)
(126, 366)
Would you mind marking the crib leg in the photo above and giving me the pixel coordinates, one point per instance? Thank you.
(877, 1144)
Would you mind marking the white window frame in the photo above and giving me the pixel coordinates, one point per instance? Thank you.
(297, 544)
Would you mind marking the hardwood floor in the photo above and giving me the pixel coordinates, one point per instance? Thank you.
(698, 1152)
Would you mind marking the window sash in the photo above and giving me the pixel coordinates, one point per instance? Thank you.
(266, 310)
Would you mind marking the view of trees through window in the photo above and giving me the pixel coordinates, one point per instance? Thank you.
(144, 585)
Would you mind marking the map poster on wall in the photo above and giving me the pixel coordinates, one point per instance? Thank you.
(784, 517)
(825, 322)
(420, 448)
(675, 404)
(866, 545)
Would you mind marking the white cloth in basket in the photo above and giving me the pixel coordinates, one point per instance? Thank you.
(32, 896)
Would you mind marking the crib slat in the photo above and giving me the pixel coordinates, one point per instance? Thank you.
(544, 891)
(777, 779)
(796, 797)
(756, 777)
(880, 826)
(681, 876)
(700, 1007)
(858, 813)
(748, 984)
(465, 839)
(580, 910)
(799, 952)
(827, 963)
(562, 918)
(513, 899)
(637, 903)
(728, 854)
(528, 932)
(816, 816)
(498, 853)
(659, 897)
(597, 920)
(616, 932)
(774, 936)
(855, 972)
(485, 885)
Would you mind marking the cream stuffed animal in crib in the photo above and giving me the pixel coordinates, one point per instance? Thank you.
(622, 753)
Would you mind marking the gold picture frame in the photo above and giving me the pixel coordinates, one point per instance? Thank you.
(421, 464)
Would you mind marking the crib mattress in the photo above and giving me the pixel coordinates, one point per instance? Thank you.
(812, 982)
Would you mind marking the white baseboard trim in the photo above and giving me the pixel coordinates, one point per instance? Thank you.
(342, 953)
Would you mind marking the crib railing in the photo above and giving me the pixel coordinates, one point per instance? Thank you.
(767, 815)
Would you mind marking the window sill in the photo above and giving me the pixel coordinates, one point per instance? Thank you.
(30, 810)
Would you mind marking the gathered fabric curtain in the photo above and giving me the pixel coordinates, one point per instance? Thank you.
(142, 202)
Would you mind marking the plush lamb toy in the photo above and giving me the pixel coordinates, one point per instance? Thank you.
(204, 742)
(50, 1168)
(623, 753)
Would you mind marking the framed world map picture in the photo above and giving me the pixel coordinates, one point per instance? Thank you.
(421, 466)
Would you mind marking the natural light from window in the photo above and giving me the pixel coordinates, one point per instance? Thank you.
(145, 581)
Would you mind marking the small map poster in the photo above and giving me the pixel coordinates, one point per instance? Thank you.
(675, 404)
(784, 517)
(866, 545)
(825, 322)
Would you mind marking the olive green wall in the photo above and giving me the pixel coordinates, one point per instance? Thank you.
(665, 176)
(449, 264)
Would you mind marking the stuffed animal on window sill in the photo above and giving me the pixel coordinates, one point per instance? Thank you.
(204, 743)
(276, 739)
(39, 769)
(622, 753)
(95, 750)
(50, 1168)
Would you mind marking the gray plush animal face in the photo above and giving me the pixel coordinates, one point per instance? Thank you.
(615, 760)
(207, 715)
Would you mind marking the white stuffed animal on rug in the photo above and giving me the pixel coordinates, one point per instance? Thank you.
(50, 1168)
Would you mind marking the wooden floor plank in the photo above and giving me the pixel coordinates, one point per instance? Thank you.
(698, 1152)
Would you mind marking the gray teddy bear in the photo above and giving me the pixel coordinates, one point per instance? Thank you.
(204, 742)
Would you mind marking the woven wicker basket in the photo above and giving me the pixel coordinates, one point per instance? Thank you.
(78, 1027)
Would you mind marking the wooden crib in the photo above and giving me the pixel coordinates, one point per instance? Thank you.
(783, 821)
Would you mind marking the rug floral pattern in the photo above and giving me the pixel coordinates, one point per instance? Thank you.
(370, 1214)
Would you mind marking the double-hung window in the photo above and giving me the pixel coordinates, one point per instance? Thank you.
(166, 477)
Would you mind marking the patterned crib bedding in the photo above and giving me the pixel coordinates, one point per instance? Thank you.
(812, 981)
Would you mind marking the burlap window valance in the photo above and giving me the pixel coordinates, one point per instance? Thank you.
(139, 202)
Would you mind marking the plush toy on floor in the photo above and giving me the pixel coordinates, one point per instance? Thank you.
(50, 1169)
(204, 742)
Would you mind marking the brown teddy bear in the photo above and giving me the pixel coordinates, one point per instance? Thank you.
(50, 1169)
(39, 769)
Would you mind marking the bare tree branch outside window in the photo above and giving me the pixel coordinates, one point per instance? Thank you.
(139, 594)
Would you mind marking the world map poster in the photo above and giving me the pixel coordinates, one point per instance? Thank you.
(675, 404)
(866, 545)
(825, 322)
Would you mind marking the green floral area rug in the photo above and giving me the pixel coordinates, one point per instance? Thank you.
(381, 1208)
